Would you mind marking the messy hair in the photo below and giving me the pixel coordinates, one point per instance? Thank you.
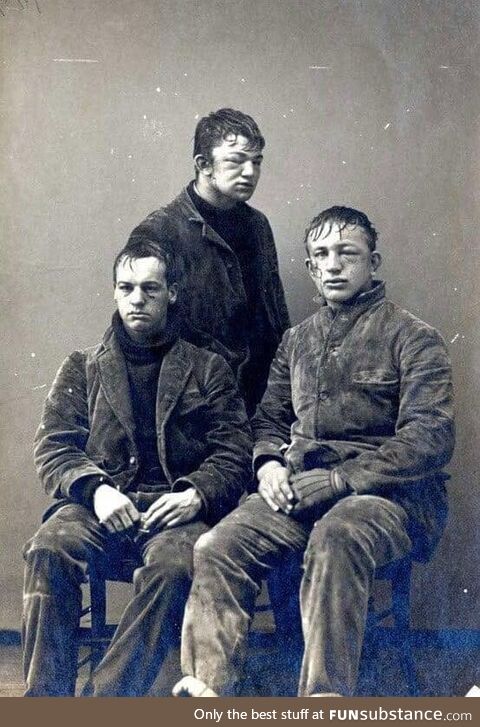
(343, 217)
(213, 129)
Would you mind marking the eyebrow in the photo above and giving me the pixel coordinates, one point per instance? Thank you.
(144, 282)
(244, 154)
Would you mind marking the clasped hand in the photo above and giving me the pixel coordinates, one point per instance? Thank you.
(302, 494)
(117, 512)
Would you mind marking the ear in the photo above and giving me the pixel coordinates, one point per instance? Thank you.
(172, 293)
(376, 259)
(202, 165)
(313, 272)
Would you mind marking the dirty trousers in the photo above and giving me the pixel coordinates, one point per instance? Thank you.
(57, 559)
(340, 554)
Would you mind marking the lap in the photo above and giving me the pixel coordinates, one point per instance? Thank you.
(256, 532)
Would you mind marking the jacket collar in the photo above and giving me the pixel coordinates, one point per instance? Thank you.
(360, 302)
(176, 367)
(187, 207)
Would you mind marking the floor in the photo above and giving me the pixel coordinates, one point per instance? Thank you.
(440, 673)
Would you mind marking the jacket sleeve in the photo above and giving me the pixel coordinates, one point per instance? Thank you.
(274, 416)
(223, 475)
(424, 434)
(60, 441)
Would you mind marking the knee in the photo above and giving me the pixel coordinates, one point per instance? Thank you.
(173, 570)
(211, 548)
(335, 538)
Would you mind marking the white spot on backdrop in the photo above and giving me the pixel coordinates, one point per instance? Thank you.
(75, 60)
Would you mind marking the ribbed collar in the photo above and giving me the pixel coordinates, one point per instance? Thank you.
(138, 352)
(362, 300)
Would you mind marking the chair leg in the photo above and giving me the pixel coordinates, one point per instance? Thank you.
(401, 612)
(98, 601)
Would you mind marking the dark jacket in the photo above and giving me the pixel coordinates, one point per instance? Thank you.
(87, 427)
(212, 295)
(366, 391)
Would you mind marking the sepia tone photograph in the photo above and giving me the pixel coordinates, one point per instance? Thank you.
(240, 348)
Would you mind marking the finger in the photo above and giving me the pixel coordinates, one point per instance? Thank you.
(159, 513)
(108, 525)
(158, 518)
(279, 498)
(132, 511)
(285, 487)
(113, 524)
(155, 505)
(124, 519)
(177, 520)
(264, 493)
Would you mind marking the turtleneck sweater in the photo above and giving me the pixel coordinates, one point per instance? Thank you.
(143, 363)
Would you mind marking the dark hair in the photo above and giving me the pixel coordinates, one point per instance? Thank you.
(151, 240)
(343, 217)
(213, 129)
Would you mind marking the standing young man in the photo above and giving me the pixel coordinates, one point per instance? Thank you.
(231, 295)
(144, 443)
(351, 437)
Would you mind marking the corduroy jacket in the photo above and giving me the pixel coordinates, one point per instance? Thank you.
(365, 390)
(212, 295)
(86, 435)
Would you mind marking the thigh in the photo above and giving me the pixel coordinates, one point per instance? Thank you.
(377, 524)
(74, 533)
(174, 545)
(258, 534)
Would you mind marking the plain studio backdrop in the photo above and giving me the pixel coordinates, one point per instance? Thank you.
(365, 103)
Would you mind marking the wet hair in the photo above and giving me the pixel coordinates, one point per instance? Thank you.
(213, 129)
(343, 217)
(151, 240)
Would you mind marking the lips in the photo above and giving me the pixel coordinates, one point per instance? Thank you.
(335, 283)
(138, 315)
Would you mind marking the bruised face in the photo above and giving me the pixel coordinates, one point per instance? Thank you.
(341, 263)
(142, 296)
(233, 171)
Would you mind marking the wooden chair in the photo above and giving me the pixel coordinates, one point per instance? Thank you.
(287, 638)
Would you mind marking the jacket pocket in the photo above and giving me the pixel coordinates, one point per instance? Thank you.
(376, 378)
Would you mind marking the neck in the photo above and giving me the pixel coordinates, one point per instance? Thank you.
(205, 190)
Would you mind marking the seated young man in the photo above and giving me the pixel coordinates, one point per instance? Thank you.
(351, 437)
(144, 443)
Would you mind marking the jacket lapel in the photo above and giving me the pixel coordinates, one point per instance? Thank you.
(174, 373)
(114, 380)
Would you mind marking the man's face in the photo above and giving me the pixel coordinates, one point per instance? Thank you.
(233, 171)
(143, 296)
(341, 263)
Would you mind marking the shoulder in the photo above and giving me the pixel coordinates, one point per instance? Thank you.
(407, 323)
(200, 357)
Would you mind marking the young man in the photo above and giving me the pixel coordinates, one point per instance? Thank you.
(351, 436)
(144, 443)
(231, 295)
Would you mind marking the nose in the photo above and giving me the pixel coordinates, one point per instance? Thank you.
(334, 262)
(248, 170)
(137, 296)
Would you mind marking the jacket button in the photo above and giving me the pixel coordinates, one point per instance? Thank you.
(323, 396)
(132, 460)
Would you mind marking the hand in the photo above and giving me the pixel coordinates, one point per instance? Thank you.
(114, 509)
(173, 508)
(315, 490)
(275, 487)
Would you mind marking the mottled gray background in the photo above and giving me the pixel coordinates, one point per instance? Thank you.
(368, 103)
